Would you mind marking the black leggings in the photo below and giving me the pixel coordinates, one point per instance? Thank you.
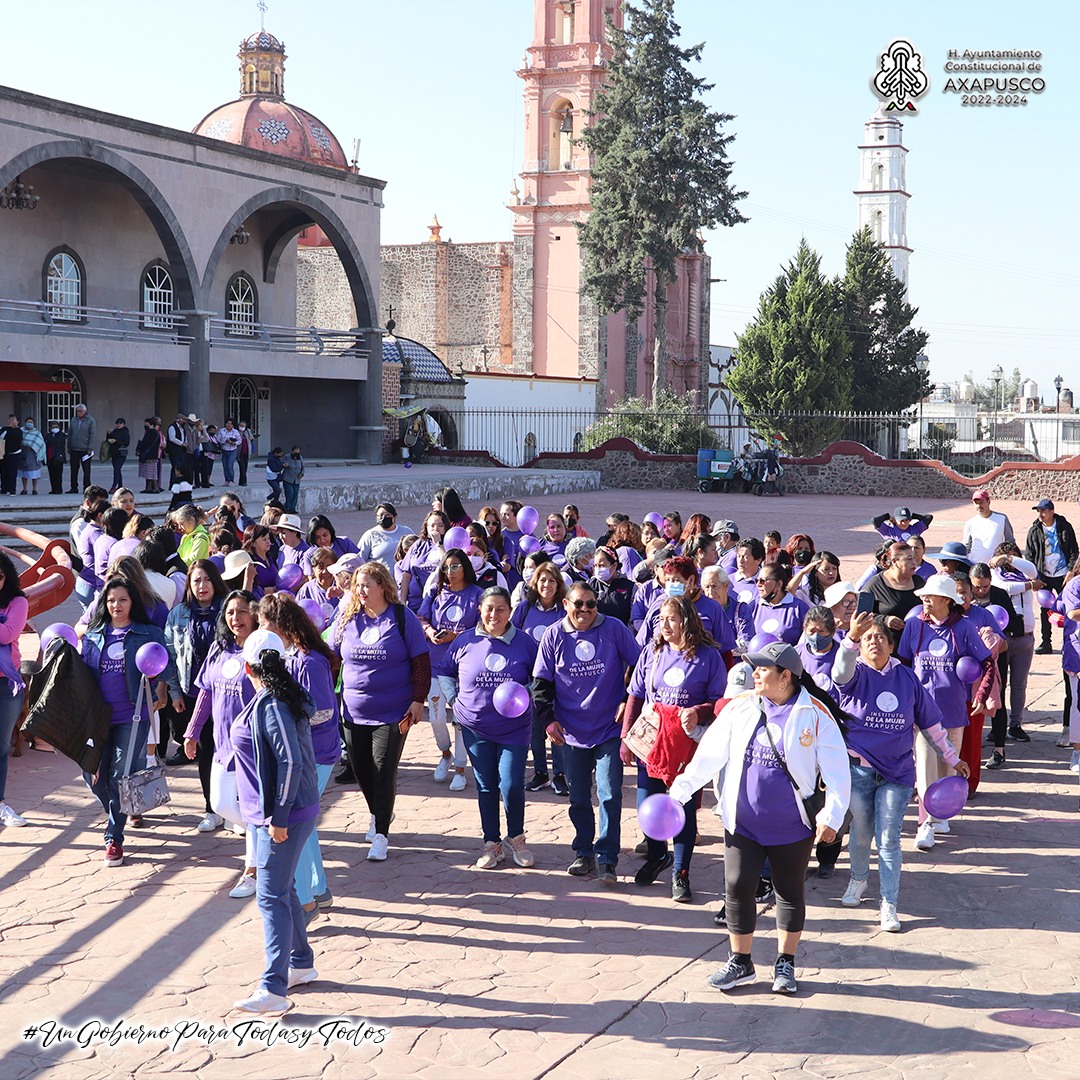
(375, 752)
(743, 860)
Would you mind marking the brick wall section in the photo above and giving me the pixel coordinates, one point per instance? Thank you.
(843, 468)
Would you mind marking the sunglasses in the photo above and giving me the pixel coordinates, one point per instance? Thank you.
(491, 521)
(765, 581)
(590, 604)
(453, 566)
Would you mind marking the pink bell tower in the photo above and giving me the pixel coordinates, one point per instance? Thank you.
(557, 331)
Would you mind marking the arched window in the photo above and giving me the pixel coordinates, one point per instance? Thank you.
(241, 306)
(64, 286)
(60, 404)
(241, 403)
(561, 140)
(156, 297)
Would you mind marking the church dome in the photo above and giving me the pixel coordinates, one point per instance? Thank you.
(261, 119)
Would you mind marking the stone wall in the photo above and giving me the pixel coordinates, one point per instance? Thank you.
(323, 298)
(407, 284)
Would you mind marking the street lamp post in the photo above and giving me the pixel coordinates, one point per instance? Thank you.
(1057, 416)
(922, 362)
(997, 374)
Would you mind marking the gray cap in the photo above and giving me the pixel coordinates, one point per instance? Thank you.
(777, 654)
(725, 525)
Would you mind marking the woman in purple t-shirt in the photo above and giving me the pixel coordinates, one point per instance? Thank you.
(258, 541)
(481, 661)
(681, 668)
(422, 560)
(451, 606)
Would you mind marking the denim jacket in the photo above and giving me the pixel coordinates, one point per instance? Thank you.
(138, 636)
(181, 645)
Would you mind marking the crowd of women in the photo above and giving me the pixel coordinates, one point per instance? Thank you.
(815, 707)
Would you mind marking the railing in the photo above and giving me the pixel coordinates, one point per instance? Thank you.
(78, 320)
(228, 334)
(47, 580)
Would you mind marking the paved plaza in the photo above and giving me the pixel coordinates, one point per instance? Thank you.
(431, 968)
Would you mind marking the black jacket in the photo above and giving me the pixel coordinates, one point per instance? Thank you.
(1035, 545)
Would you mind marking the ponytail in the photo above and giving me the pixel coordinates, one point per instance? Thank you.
(824, 698)
(277, 681)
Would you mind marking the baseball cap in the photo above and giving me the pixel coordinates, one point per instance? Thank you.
(1044, 504)
(725, 525)
(260, 641)
(348, 563)
(777, 654)
(901, 513)
(982, 493)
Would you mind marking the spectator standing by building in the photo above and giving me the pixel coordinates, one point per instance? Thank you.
(82, 434)
(275, 465)
(55, 456)
(13, 456)
(33, 455)
(247, 449)
(1051, 546)
(148, 451)
(230, 441)
(175, 443)
(119, 439)
(292, 473)
(985, 529)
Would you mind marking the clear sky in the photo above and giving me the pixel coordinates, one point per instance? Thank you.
(429, 87)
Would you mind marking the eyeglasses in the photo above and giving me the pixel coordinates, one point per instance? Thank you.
(765, 581)
(453, 566)
(578, 604)
(491, 521)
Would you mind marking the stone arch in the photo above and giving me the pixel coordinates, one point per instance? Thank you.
(142, 189)
(309, 210)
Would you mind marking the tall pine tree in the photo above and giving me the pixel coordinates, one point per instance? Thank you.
(659, 171)
(877, 317)
(793, 358)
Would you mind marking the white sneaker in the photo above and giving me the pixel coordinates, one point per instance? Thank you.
(924, 838)
(370, 834)
(9, 817)
(378, 848)
(244, 887)
(1066, 739)
(442, 770)
(210, 823)
(522, 855)
(236, 829)
(302, 976)
(853, 894)
(262, 1001)
(458, 783)
(1074, 764)
(941, 828)
(889, 920)
(492, 856)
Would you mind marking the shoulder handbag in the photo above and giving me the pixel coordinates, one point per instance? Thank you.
(142, 790)
(814, 802)
(105, 451)
(641, 738)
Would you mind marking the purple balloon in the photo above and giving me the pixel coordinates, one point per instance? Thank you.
(528, 544)
(661, 817)
(59, 630)
(759, 641)
(1045, 598)
(179, 580)
(151, 659)
(510, 699)
(914, 613)
(457, 537)
(655, 519)
(315, 613)
(945, 798)
(527, 519)
(289, 577)
(968, 669)
(1000, 615)
(407, 463)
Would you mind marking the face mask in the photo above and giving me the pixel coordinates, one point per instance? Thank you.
(588, 565)
(803, 557)
(296, 455)
(571, 521)
(477, 562)
(243, 427)
(604, 572)
(29, 426)
(675, 588)
(818, 643)
(54, 430)
(386, 522)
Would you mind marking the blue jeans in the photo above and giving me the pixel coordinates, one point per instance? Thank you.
(118, 458)
(275, 488)
(84, 593)
(877, 811)
(538, 745)
(580, 764)
(499, 770)
(284, 934)
(292, 496)
(310, 875)
(111, 771)
(10, 708)
(228, 464)
(684, 839)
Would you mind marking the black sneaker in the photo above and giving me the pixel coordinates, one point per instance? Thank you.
(642, 848)
(784, 977)
(996, 760)
(680, 887)
(651, 869)
(539, 781)
(581, 866)
(346, 776)
(1044, 650)
(179, 758)
(559, 784)
(1019, 734)
(720, 918)
(605, 874)
(734, 973)
(764, 894)
(826, 871)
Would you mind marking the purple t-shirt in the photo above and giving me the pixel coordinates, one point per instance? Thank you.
(884, 706)
(223, 677)
(113, 681)
(265, 575)
(312, 671)
(628, 560)
(933, 651)
(480, 663)
(1070, 648)
(556, 549)
(784, 620)
(744, 590)
(671, 679)
(341, 546)
(713, 618)
(588, 670)
(421, 561)
(103, 546)
(312, 590)
(450, 610)
(289, 556)
(646, 593)
(889, 530)
(729, 560)
(376, 667)
(767, 810)
(123, 547)
(819, 665)
(534, 620)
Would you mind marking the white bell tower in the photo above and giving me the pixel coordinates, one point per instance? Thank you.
(881, 195)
